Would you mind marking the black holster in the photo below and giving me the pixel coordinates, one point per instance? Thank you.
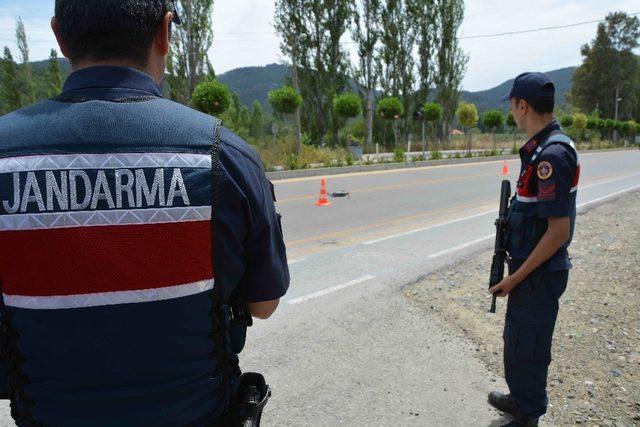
(249, 400)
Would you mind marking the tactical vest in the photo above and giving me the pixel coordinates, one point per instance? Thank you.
(525, 227)
(110, 301)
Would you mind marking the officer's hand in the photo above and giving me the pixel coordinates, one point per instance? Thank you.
(503, 288)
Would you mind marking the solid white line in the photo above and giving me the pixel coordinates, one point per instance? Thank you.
(482, 239)
(607, 181)
(608, 196)
(419, 230)
(330, 290)
(457, 248)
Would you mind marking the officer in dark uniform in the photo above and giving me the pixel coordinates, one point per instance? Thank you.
(541, 223)
(138, 238)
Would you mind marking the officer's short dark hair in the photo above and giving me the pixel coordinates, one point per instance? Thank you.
(540, 105)
(102, 30)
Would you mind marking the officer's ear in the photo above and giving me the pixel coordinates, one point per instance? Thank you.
(163, 36)
(56, 31)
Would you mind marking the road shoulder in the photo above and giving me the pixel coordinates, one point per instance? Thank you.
(596, 369)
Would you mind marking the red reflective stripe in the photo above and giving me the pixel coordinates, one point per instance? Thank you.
(84, 260)
(576, 178)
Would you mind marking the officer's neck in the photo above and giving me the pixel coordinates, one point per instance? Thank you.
(538, 122)
(156, 74)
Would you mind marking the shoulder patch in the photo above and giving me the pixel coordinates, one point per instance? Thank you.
(545, 170)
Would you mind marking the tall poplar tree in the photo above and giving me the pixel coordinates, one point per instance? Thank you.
(23, 47)
(366, 33)
(189, 61)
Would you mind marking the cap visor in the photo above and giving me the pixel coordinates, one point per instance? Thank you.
(176, 18)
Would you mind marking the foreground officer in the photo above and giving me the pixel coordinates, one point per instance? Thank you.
(541, 224)
(118, 209)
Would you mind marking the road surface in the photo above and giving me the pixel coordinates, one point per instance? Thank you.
(346, 347)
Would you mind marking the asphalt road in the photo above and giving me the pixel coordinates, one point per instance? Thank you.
(346, 347)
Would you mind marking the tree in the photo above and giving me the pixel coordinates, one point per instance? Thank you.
(52, 75)
(23, 47)
(366, 33)
(256, 129)
(424, 13)
(9, 90)
(211, 97)
(580, 122)
(347, 106)
(289, 24)
(395, 62)
(188, 63)
(391, 108)
(323, 62)
(467, 115)
(432, 114)
(610, 66)
(493, 119)
(452, 61)
(566, 121)
(284, 100)
(511, 122)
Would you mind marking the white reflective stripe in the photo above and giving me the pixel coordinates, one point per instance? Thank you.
(107, 298)
(574, 189)
(102, 218)
(526, 199)
(105, 161)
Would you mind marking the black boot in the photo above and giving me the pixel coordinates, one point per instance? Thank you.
(502, 402)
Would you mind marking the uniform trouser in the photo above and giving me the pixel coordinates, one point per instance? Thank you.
(530, 321)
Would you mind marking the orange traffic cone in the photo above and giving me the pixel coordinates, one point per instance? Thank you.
(322, 200)
(505, 168)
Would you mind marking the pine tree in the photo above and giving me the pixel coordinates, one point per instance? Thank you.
(52, 75)
(9, 90)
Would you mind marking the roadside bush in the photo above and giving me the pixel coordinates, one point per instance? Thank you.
(398, 155)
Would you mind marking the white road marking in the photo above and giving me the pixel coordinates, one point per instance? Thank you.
(608, 196)
(420, 230)
(294, 261)
(463, 246)
(595, 184)
(431, 227)
(330, 290)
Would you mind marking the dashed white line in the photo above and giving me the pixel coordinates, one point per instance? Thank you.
(330, 290)
(460, 247)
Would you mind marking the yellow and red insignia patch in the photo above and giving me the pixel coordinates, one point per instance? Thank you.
(545, 170)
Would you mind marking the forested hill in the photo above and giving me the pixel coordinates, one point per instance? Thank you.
(253, 83)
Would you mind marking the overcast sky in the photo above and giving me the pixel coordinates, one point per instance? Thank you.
(244, 34)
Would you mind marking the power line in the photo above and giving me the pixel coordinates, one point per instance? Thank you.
(533, 30)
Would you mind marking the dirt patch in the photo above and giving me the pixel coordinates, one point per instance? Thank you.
(594, 378)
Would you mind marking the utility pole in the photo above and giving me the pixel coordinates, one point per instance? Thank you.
(296, 86)
(618, 99)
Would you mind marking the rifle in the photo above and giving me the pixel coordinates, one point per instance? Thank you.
(500, 250)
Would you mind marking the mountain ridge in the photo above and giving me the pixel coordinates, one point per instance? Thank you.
(254, 83)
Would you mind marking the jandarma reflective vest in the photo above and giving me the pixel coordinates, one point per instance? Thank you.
(109, 314)
(547, 186)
